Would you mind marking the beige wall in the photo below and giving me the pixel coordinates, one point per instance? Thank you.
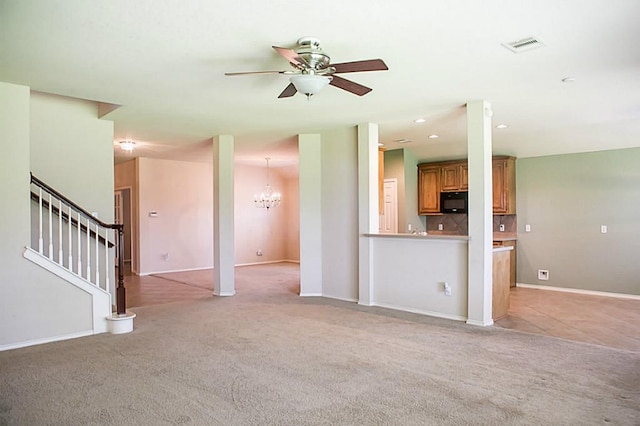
(46, 134)
(180, 237)
(72, 150)
(273, 231)
(340, 214)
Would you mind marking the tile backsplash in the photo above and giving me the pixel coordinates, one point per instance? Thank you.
(458, 224)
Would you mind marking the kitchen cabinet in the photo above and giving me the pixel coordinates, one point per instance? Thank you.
(504, 185)
(428, 189)
(501, 290)
(452, 176)
(513, 259)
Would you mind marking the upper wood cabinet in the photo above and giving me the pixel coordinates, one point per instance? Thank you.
(504, 185)
(428, 189)
(450, 176)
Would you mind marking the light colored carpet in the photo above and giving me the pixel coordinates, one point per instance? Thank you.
(269, 357)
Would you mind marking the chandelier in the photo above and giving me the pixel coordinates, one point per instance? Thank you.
(268, 198)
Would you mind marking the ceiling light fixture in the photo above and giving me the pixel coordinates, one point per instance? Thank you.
(420, 120)
(434, 136)
(568, 79)
(268, 198)
(501, 126)
(309, 84)
(127, 146)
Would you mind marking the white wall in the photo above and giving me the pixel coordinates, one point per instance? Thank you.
(340, 214)
(182, 195)
(292, 220)
(41, 133)
(409, 274)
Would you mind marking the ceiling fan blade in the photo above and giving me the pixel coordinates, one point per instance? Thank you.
(350, 86)
(361, 66)
(289, 91)
(259, 72)
(291, 56)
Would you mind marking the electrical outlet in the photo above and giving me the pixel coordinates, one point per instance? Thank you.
(502, 227)
(447, 289)
(440, 227)
(543, 274)
(259, 252)
(603, 229)
(165, 256)
(527, 228)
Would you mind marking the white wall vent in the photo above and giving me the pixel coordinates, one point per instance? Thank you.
(524, 45)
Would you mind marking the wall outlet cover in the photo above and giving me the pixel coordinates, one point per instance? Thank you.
(543, 274)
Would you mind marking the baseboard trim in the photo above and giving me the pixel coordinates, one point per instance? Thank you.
(45, 340)
(344, 299)
(267, 262)
(479, 323)
(311, 294)
(580, 291)
(420, 311)
(224, 293)
(144, 274)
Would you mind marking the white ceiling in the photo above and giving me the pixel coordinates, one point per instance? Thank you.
(164, 61)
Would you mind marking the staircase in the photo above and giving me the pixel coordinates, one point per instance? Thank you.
(71, 243)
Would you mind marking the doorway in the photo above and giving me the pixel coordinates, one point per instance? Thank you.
(389, 217)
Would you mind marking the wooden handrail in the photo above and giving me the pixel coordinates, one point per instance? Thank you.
(67, 201)
(121, 305)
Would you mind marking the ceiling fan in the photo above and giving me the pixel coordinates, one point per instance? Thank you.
(313, 70)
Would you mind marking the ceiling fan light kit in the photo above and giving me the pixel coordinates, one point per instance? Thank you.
(313, 70)
(309, 84)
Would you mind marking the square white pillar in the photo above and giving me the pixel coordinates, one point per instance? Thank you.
(223, 216)
(310, 193)
(368, 215)
(480, 213)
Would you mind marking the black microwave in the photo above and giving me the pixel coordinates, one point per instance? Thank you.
(453, 202)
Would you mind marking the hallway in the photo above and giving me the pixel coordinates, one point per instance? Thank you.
(599, 320)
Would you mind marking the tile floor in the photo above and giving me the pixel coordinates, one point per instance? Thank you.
(606, 321)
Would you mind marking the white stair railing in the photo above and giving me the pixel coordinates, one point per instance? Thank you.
(96, 242)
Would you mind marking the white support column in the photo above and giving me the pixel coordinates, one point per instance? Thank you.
(310, 193)
(223, 216)
(368, 215)
(480, 213)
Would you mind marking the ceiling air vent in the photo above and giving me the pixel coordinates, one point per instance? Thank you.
(524, 45)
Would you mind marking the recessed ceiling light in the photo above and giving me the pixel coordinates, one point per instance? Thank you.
(380, 144)
(568, 79)
(420, 120)
(501, 126)
(434, 136)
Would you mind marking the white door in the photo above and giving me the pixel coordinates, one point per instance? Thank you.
(389, 218)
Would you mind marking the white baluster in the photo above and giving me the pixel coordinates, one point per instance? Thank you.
(60, 251)
(50, 228)
(106, 260)
(70, 244)
(88, 250)
(97, 256)
(78, 225)
(40, 239)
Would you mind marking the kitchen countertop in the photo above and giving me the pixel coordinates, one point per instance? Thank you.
(504, 236)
